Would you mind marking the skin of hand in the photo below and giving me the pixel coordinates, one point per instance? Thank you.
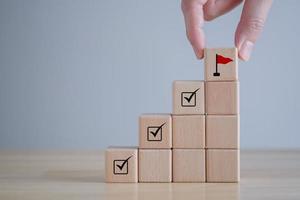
(250, 26)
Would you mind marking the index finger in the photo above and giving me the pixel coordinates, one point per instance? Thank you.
(194, 21)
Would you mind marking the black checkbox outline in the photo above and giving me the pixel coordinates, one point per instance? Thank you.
(182, 99)
(124, 173)
(148, 132)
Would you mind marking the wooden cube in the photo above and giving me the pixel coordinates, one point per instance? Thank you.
(220, 64)
(222, 165)
(188, 131)
(121, 164)
(155, 165)
(189, 165)
(155, 131)
(188, 97)
(222, 98)
(222, 131)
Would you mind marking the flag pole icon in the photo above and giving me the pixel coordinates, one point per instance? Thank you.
(221, 60)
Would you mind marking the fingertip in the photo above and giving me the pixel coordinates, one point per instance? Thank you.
(199, 53)
(241, 58)
(239, 41)
(245, 50)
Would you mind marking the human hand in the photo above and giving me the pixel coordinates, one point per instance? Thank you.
(250, 26)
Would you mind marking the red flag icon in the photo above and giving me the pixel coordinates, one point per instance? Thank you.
(223, 60)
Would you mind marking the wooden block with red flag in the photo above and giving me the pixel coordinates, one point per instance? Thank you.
(221, 64)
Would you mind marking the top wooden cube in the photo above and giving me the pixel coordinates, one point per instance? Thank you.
(221, 64)
(188, 97)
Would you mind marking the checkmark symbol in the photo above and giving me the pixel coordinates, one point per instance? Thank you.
(157, 130)
(123, 164)
(188, 99)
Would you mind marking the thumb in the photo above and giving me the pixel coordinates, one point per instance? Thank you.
(251, 25)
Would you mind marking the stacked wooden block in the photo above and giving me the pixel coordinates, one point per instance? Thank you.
(222, 115)
(199, 142)
(189, 131)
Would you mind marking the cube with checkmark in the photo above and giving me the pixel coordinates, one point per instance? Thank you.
(121, 164)
(155, 131)
(188, 97)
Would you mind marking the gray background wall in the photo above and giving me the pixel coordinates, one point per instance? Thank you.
(77, 74)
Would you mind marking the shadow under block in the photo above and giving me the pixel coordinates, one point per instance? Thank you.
(155, 131)
(188, 97)
(222, 98)
(222, 165)
(188, 131)
(155, 165)
(188, 165)
(121, 164)
(222, 131)
(221, 64)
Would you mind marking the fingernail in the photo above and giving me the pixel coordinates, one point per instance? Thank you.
(246, 50)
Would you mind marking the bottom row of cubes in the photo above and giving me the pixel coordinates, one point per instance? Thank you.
(176, 165)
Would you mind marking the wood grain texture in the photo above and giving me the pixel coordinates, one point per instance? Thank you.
(188, 131)
(121, 164)
(155, 131)
(223, 131)
(80, 174)
(188, 97)
(222, 165)
(189, 165)
(155, 165)
(227, 72)
(222, 98)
